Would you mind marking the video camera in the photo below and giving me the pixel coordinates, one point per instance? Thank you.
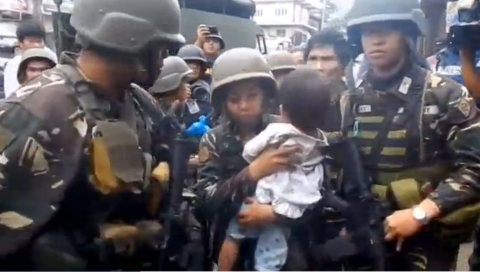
(464, 32)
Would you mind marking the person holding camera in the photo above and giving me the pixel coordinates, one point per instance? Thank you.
(211, 42)
(460, 62)
(470, 72)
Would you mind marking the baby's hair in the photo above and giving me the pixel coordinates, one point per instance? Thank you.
(305, 98)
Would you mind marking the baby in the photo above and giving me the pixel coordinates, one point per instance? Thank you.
(304, 98)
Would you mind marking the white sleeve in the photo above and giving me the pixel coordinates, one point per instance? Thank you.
(255, 146)
(10, 82)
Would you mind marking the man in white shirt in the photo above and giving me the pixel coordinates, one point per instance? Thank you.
(30, 34)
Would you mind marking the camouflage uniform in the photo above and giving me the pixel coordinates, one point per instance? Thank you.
(281, 63)
(201, 86)
(75, 166)
(223, 174)
(419, 137)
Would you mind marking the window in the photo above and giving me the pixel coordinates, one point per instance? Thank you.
(259, 13)
(280, 11)
(281, 33)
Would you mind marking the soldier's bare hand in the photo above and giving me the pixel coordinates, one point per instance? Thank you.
(273, 160)
(202, 32)
(400, 225)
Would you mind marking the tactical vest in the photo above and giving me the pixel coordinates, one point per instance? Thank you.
(119, 152)
(396, 133)
(115, 160)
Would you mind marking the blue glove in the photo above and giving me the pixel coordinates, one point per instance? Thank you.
(197, 129)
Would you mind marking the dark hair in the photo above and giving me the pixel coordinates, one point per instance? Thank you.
(30, 29)
(330, 37)
(305, 98)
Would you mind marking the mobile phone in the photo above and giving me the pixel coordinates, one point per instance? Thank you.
(213, 30)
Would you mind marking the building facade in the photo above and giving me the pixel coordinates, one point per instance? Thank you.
(287, 22)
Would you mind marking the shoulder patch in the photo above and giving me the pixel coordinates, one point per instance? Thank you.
(435, 80)
(203, 154)
(464, 107)
(14, 220)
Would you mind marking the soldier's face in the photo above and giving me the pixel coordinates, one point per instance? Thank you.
(196, 68)
(324, 60)
(211, 46)
(36, 67)
(245, 102)
(383, 47)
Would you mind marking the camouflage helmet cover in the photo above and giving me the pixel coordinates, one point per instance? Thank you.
(126, 25)
(370, 11)
(34, 53)
(191, 52)
(174, 71)
(280, 60)
(238, 64)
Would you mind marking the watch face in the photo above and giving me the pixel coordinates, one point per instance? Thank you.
(419, 214)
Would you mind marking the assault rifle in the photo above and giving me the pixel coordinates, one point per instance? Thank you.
(363, 212)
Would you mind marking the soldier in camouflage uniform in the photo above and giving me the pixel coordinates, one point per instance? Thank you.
(34, 62)
(76, 146)
(419, 135)
(281, 64)
(199, 83)
(171, 91)
(171, 88)
(241, 89)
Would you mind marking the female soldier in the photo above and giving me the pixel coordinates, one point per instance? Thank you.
(199, 83)
(241, 90)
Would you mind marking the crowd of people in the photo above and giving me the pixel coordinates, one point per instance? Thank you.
(304, 161)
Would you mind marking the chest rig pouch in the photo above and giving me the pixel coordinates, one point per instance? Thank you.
(114, 154)
(399, 143)
(115, 158)
(387, 124)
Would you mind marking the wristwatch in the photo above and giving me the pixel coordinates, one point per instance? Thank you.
(420, 215)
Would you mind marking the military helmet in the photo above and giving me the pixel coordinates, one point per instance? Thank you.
(34, 53)
(217, 36)
(125, 25)
(239, 64)
(371, 11)
(280, 60)
(191, 52)
(174, 70)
